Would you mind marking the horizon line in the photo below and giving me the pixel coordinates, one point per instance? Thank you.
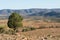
(26, 8)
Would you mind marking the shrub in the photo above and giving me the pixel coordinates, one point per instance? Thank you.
(10, 31)
(32, 28)
(57, 26)
(41, 27)
(15, 21)
(51, 26)
(1, 30)
(28, 29)
(24, 30)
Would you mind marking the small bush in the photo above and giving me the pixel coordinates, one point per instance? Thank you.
(28, 29)
(32, 28)
(24, 30)
(51, 27)
(1, 30)
(10, 31)
(41, 27)
(57, 26)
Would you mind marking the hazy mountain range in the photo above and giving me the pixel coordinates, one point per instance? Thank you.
(4, 13)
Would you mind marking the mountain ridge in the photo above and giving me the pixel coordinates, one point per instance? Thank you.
(32, 12)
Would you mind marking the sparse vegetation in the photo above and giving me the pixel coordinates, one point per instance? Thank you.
(28, 29)
(10, 31)
(5, 31)
(41, 27)
(34, 30)
(1, 30)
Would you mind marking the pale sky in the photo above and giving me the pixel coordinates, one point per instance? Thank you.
(26, 4)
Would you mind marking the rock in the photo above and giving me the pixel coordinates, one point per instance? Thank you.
(24, 38)
(44, 38)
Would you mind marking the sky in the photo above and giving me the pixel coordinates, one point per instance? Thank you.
(26, 4)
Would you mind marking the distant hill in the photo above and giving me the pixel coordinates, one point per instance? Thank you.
(31, 12)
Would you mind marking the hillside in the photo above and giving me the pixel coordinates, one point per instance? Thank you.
(32, 12)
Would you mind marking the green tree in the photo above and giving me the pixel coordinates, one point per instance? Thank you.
(15, 21)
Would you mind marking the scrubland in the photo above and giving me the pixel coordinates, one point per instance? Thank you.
(40, 30)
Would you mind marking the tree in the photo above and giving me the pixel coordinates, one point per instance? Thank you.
(15, 21)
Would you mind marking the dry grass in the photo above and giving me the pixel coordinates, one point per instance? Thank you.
(38, 34)
(33, 23)
(38, 23)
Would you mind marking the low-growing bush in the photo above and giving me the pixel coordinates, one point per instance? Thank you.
(51, 26)
(10, 31)
(24, 30)
(28, 29)
(41, 27)
(1, 30)
(32, 28)
(57, 26)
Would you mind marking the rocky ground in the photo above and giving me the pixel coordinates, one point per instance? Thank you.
(38, 34)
